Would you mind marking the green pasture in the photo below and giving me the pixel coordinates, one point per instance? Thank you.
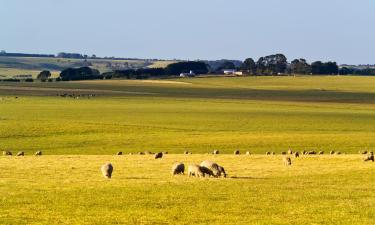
(200, 115)
(259, 190)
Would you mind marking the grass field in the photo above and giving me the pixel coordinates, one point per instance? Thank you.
(259, 190)
(255, 114)
(64, 186)
(11, 66)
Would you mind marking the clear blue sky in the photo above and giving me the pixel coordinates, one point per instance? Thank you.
(338, 30)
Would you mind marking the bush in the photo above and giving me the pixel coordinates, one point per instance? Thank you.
(29, 80)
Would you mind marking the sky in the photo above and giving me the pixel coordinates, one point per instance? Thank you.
(336, 30)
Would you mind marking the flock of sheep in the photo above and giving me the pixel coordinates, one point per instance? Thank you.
(208, 168)
(212, 169)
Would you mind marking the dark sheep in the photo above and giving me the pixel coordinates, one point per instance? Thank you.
(268, 153)
(20, 154)
(38, 153)
(290, 152)
(332, 152)
(283, 153)
(119, 153)
(296, 154)
(217, 170)
(237, 152)
(321, 153)
(158, 155)
(178, 168)
(216, 152)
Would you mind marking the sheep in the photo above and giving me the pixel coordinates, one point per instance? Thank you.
(6, 153)
(369, 157)
(332, 152)
(141, 153)
(217, 170)
(338, 153)
(215, 152)
(222, 171)
(287, 161)
(195, 170)
(273, 153)
(207, 171)
(296, 154)
(363, 153)
(304, 153)
(268, 153)
(20, 154)
(311, 153)
(158, 155)
(237, 152)
(283, 153)
(186, 152)
(107, 170)
(248, 153)
(290, 152)
(321, 153)
(38, 153)
(178, 168)
(119, 153)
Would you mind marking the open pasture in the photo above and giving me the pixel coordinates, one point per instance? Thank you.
(202, 114)
(258, 190)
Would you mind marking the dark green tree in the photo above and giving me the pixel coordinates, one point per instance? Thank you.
(249, 66)
(44, 75)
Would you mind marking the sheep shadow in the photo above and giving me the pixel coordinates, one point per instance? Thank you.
(248, 178)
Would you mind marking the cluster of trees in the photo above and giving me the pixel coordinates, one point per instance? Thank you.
(82, 73)
(171, 70)
(278, 64)
(4, 53)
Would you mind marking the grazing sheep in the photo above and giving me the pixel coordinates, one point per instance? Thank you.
(369, 157)
(6, 153)
(311, 153)
(248, 153)
(290, 152)
(158, 155)
(178, 168)
(107, 170)
(338, 153)
(304, 153)
(237, 152)
(20, 154)
(119, 153)
(283, 153)
(363, 153)
(207, 171)
(222, 171)
(195, 170)
(332, 152)
(216, 152)
(268, 153)
(141, 153)
(38, 153)
(296, 154)
(287, 161)
(321, 153)
(186, 152)
(214, 168)
(273, 153)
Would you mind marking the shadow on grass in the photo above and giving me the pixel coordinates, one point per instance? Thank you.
(248, 178)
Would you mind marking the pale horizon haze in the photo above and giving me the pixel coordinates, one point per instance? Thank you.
(341, 31)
